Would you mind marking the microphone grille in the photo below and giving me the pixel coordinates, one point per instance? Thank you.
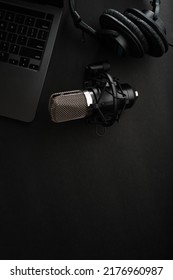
(67, 106)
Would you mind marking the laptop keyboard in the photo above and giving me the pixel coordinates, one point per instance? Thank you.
(23, 35)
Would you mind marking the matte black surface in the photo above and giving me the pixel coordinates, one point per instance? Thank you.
(66, 193)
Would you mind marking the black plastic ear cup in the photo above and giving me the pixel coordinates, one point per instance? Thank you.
(132, 26)
(146, 23)
(111, 38)
(135, 48)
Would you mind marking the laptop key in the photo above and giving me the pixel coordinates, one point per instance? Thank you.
(43, 35)
(12, 38)
(4, 46)
(22, 40)
(14, 49)
(36, 44)
(24, 62)
(3, 25)
(4, 56)
(30, 21)
(12, 27)
(31, 53)
(22, 30)
(9, 16)
(13, 61)
(32, 32)
(43, 24)
(20, 19)
(3, 35)
(34, 67)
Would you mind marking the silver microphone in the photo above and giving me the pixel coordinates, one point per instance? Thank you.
(103, 99)
(70, 105)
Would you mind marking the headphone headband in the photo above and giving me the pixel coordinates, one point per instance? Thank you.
(88, 29)
(78, 22)
(134, 32)
(156, 8)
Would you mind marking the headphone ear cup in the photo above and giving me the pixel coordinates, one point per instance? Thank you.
(110, 37)
(142, 41)
(156, 36)
(113, 20)
(156, 46)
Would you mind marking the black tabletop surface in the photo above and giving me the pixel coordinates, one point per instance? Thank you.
(66, 193)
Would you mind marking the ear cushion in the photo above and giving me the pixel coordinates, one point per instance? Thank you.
(132, 26)
(108, 21)
(151, 23)
(156, 45)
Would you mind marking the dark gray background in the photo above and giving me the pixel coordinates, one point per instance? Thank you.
(66, 193)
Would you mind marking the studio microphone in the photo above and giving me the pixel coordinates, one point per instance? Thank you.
(103, 98)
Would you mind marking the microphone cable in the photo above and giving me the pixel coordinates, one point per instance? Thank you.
(105, 83)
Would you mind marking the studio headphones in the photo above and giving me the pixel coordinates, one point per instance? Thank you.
(132, 33)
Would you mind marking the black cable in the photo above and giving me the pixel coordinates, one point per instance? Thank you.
(156, 8)
(102, 83)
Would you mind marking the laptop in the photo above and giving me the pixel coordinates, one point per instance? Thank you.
(28, 31)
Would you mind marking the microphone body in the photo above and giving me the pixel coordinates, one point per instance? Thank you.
(78, 104)
(103, 99)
